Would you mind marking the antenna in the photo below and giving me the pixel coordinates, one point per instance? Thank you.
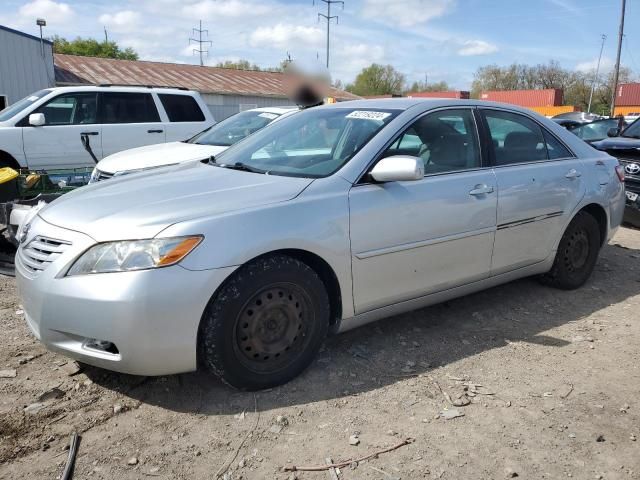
(200, 42)
(328, 18)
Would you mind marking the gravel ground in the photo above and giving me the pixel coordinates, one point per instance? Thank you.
(551, 379)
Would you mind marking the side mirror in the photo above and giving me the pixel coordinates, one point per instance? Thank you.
(613, 132)
(36, 119)
(398, 168)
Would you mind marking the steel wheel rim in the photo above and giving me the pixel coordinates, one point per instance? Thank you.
(271, 330)
(577, 250)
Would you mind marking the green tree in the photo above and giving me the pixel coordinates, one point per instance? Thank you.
(377, 80)
(428, 87)
(89, 47)
(238, 65)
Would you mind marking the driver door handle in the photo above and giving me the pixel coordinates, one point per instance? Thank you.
(90, 133)
(155, 131)
(573, 173)
(481, 190)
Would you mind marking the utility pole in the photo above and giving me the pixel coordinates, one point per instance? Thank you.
(200, 42)
(595, 77)
(616, 73)
(41, 22)
(106, 36)
(328, 18)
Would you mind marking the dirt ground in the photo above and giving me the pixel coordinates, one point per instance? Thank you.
(552, 377)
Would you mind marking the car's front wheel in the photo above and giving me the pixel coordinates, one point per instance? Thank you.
(577, 254)
(265, 324)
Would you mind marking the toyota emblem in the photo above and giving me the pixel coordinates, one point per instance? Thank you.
(632, 168)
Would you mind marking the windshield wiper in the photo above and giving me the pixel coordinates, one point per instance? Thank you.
(236, 166)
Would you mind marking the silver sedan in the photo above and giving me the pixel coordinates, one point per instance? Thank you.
(324, 221)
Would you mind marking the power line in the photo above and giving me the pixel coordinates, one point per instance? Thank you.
(595, 77)
(200, 42)
(328, 17)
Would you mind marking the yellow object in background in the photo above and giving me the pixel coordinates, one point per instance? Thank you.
(551, 111)
(7, 174)
(31, 180)
(627, 110)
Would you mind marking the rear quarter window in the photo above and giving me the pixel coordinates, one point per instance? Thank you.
(181, 108)
(127, 107)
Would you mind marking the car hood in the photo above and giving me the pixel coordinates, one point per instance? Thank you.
(142, 205)
(157, 156)
(617, 143)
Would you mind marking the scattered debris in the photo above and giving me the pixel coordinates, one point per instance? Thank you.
(222, 471)
(632, 437)
(10, 373)
(386, 474)
(354, 440)
(580, 338)
(51, 394)
(332, 474)
(510, 473)
(27, 359)
(34, 408)
(71, 368)
(132, 461)
(19, 312)
(569, 392)
(240, 416)
(449, 414)
(600, 438)
(624, 408)
(318, 468)
(117, 408)
(71, 459)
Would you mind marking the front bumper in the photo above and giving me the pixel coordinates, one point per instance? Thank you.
(151, 316)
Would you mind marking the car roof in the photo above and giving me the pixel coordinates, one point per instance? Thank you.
(404, 103)
(121, 88)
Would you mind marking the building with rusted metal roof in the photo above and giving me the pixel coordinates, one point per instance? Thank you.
(225, 90)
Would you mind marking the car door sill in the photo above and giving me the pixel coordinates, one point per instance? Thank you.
(441, 296)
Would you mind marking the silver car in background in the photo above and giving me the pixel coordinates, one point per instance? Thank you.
(326, 220)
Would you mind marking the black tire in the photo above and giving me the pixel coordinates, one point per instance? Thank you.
(577, 254)
(266, 323)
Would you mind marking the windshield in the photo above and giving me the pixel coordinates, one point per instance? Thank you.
(313, 143)
(633, 130)
(235, 128)
(20, 105)
(596, 130)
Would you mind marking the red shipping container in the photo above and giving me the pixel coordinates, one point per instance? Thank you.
(526, 98)
(628, 95)
(449, 94)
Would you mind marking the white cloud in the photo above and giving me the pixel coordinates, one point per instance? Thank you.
(589, 66)
(476, 47)
(285, 36)
(225, 8)
(47, 9)
(123, 21)
(405, 13)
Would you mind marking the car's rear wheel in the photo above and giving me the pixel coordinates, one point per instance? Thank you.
(577, 254)
(266, 323)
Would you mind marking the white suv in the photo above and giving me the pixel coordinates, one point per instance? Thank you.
(45, 130)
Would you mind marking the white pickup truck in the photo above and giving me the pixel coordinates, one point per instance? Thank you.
(45, 130)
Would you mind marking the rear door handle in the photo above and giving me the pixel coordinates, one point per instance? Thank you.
(90, 133)
(573, 173)
(481, 190)
(155, 131)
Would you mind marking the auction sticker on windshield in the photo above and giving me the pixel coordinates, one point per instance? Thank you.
(368, 115)
(268, 115)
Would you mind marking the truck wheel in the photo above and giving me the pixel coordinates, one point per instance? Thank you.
(266, 323)
(577, 254)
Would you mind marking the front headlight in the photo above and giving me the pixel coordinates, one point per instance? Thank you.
(129, 255)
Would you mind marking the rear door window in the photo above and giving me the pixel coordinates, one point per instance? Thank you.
(515, 138)
(181, 108)
(128, 107)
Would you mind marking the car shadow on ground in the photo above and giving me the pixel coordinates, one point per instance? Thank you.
(382, 353)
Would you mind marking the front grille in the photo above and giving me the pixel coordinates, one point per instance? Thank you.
(40, 252)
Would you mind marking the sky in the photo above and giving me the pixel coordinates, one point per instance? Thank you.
(440, 40)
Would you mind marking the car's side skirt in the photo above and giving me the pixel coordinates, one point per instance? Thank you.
(442, 296)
